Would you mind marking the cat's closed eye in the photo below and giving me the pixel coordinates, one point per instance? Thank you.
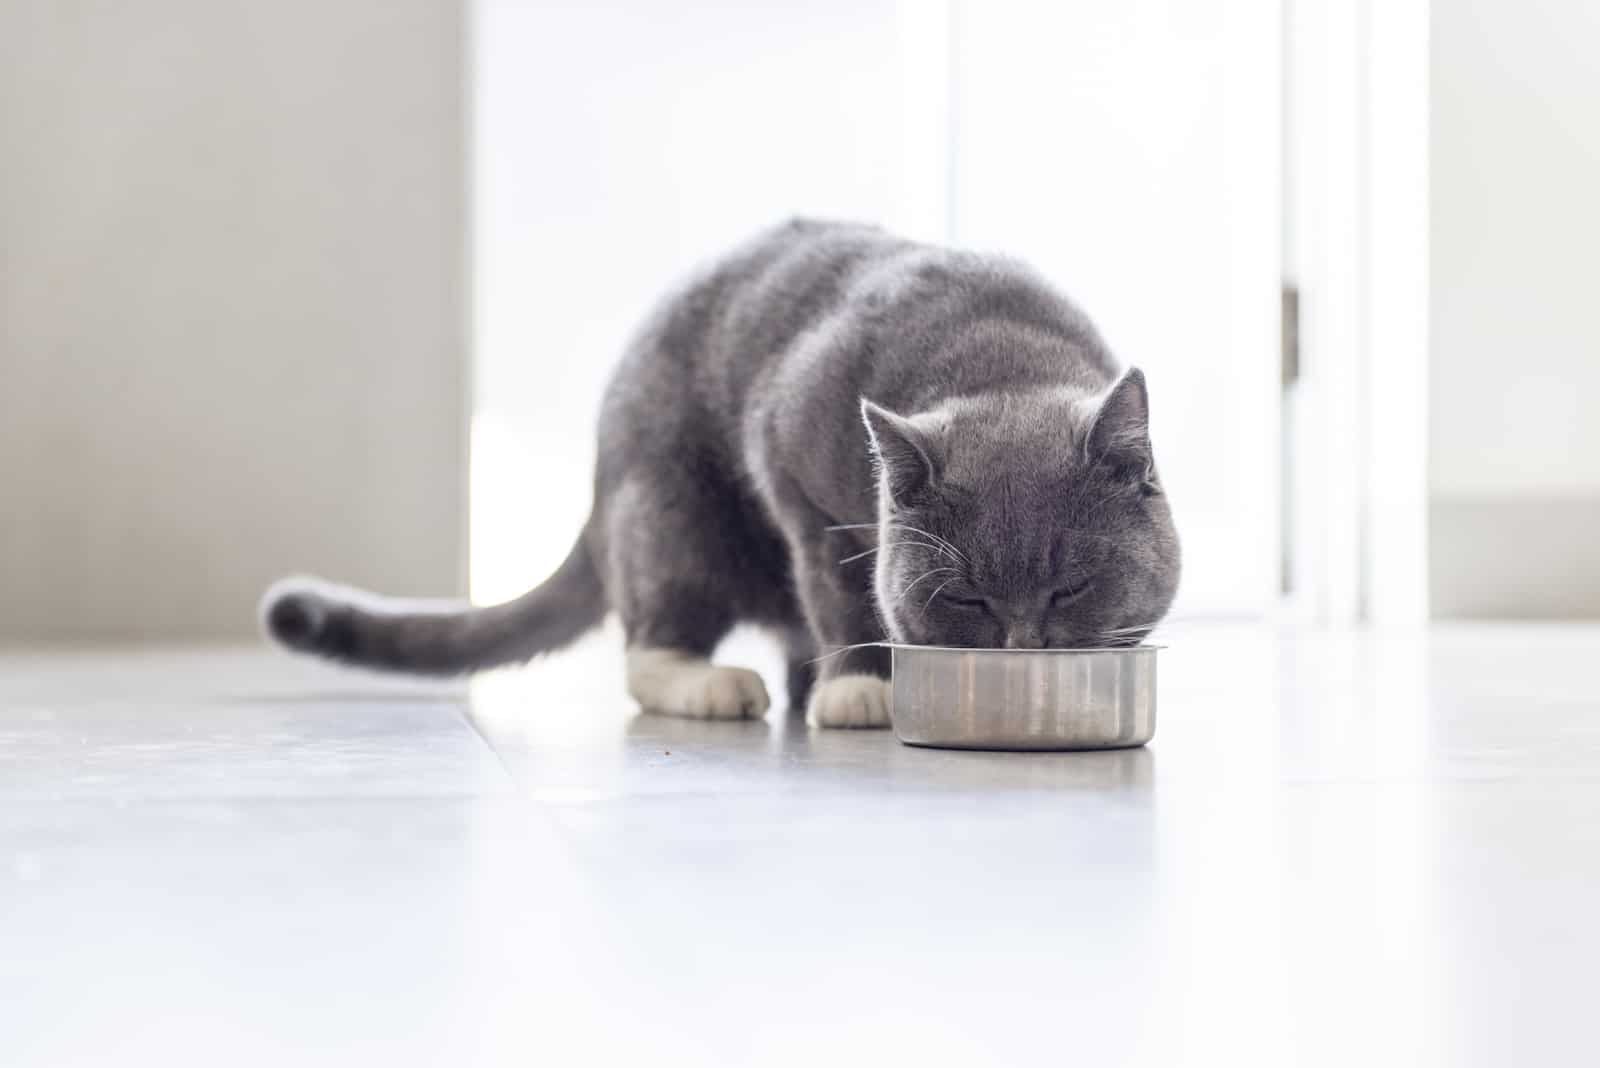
(976, 603)
(1068, 594)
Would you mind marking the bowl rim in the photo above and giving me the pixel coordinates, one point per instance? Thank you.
(1114, 650)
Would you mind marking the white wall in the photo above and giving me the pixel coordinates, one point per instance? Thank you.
(1515, 444)
(230, 307)
(1516, 149)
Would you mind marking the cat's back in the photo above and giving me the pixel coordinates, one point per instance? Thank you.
(712, 336)
(754, 300)
(770, 284)
(724, 333)
(792, 276)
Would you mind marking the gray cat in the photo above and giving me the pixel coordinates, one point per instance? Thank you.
(845, 437)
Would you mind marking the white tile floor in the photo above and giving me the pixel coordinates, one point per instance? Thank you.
(1341, 849)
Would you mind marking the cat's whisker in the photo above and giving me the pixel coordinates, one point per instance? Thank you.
(951, 549)
(1167, 627)
(938, 549)
(934, 542)
(891, 545)
(1137, 628)
(1134, 626)
(1133, 636)
(926, 604)
(1124, 637)
(1127, 642)
(841, 651)
(906, 591)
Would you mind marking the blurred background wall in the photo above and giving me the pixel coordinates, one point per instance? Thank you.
(231, 307)
(1515, 442)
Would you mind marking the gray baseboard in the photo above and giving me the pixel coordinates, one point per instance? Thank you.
(1514, 558)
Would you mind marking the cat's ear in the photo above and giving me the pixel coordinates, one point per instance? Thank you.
(908, 454)
(1120, 435)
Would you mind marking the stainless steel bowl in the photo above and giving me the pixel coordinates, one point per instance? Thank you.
(1024, 698)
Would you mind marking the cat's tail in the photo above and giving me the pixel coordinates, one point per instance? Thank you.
(351, 626)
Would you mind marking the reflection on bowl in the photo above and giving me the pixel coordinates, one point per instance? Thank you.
(1025, 698)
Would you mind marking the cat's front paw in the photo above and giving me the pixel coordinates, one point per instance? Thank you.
(666, 681)
(850, 701)
(719, 693)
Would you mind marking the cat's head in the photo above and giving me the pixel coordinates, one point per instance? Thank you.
(1031, 520)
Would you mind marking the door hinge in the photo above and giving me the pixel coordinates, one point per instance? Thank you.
(1291, 334)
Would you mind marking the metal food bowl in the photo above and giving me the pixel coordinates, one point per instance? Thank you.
(1024, 698)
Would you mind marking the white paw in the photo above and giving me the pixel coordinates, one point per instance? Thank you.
(723, 693)
(850, 701)
(678, 685)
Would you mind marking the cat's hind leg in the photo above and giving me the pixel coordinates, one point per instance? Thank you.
(669, 576)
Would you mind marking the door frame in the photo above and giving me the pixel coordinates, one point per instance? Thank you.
(1356, 252)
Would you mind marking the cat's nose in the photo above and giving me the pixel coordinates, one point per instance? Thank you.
(1024, 638)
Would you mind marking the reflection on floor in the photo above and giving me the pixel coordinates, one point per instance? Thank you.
(1341, 849)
